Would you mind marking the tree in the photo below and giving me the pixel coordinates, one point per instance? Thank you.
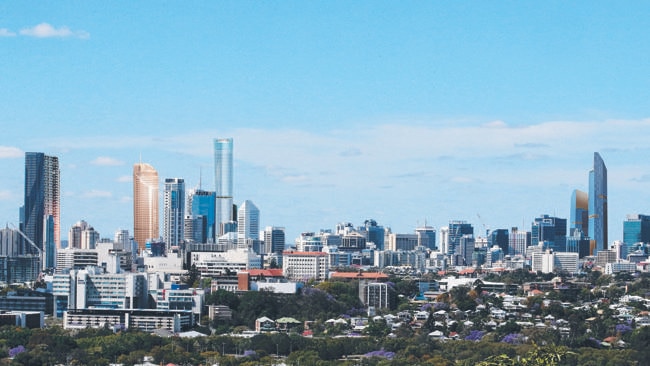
(192, 277)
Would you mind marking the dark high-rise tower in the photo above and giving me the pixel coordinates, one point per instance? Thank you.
(42, 203)
(598, 205)
(551, 230)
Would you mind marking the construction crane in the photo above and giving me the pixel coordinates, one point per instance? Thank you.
(485, 227)
(40, 251)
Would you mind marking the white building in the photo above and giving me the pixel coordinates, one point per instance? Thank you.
(75, 258)
(549, 261)
(211, 264)
(92, 288)
(248, 223)
(299, 266)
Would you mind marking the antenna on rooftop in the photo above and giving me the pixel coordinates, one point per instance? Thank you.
(200, 175)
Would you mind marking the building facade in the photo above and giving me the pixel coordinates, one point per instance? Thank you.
(223, 170)
(41, 213)
(598, 205)
(173, 212)
(248, 224)
(145, 204)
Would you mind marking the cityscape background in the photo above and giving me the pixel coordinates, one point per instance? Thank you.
(339, 112)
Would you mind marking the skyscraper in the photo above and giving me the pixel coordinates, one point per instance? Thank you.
(636, 229)
(248, 224)
(551, 230)
(41, 212)
(499, 237)
(274, 240)
(145, 204)
(598, 205)
(426, 236)
(223, 151)
(173, 211)
(456, 231)
(580, 211)
(202, 203)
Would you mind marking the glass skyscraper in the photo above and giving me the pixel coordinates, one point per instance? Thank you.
(223, 174)
(145, 204)
(499, 237)
(248, 224)
(173, 211)
(41, 212)
(202, 203)
(636, 229)
(598, 205)
(580, 211)
(551, 230)
(456, 231)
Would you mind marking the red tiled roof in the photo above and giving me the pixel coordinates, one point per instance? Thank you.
(271, 272)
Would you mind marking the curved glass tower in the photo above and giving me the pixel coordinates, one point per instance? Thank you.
(598, 205)
(223, 182)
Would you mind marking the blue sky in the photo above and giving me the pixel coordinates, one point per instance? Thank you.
(340, 111)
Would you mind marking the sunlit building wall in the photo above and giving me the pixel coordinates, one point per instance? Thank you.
(145, 204)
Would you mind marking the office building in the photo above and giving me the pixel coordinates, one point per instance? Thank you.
(374, 233)
(396, 241)
(173, 212)
(580, 211)
(10, 243)
(274, 242)
(549, 230)
(598, 205)
(636, 229)
(456, 231)
(303, 266)
(145, 204)
(426, 236)
(123, 239)
(519, 240)
(248, 224)
(202, 203)
(577, 242)
(41, 217)
(223, 169)
(499, 237)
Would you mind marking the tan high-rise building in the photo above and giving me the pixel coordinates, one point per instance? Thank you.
(145, 204)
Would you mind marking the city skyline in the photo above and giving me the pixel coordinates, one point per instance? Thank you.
(488, 113)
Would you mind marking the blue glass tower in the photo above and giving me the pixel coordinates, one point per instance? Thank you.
(551, 230)
(456, 231)
(636, 229)
(203, 204)
(598, 205)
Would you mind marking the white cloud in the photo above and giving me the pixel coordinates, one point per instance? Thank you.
(4, 32)
(10, 152)
(5, 195)
(94, 193)
(125, 179)
(106, 161)
(45, 30)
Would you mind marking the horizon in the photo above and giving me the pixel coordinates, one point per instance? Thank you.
(339, 112)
